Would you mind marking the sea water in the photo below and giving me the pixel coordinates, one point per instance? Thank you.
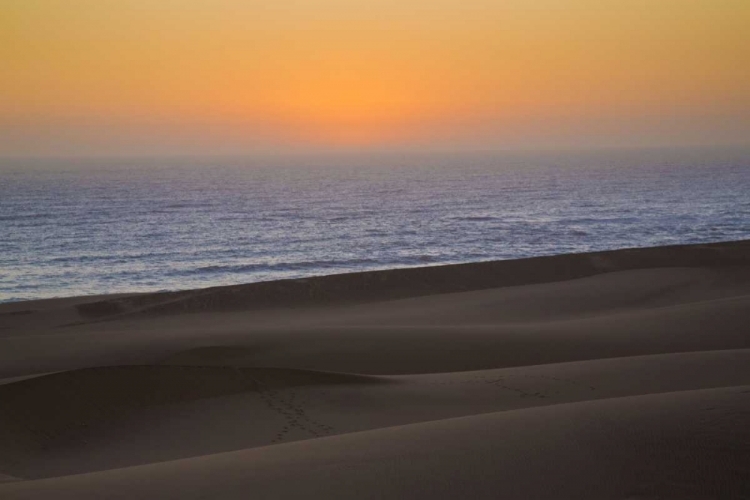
(92, 226)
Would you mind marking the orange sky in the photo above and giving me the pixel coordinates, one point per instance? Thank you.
(213, 76)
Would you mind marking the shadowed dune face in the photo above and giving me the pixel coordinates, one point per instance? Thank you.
(212, 356)
(55, 405)
(611, 375)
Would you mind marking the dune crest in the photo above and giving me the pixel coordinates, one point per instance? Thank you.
(401, 283)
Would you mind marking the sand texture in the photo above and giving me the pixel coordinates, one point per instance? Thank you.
(622, 375)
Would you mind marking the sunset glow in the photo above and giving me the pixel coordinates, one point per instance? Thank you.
(91, 76)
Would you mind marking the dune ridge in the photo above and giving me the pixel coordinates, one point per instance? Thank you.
(621, 374)
(400, 283)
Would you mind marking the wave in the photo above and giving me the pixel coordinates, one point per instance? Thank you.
(21, 217)
(188, 205)
(113, 258)
(476, 218)
(320, 265)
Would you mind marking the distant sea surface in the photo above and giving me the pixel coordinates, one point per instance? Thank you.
(83, 227)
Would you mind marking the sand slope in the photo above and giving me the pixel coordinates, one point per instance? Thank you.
(678, 445)
(612, 375)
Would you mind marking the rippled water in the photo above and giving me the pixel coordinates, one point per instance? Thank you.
(73, 228)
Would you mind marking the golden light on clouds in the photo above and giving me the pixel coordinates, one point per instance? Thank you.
(346, 73)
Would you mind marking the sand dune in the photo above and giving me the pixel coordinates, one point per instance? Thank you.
(613, 375)
(72, 422)
(704, 310)
(678, 445)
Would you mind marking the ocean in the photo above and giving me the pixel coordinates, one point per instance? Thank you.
(95, 226)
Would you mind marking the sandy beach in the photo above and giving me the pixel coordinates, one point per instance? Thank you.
(622, 374)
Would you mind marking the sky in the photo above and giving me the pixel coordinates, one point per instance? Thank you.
(122, 77)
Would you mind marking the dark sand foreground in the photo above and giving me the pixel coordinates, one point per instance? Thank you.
(620, 374)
